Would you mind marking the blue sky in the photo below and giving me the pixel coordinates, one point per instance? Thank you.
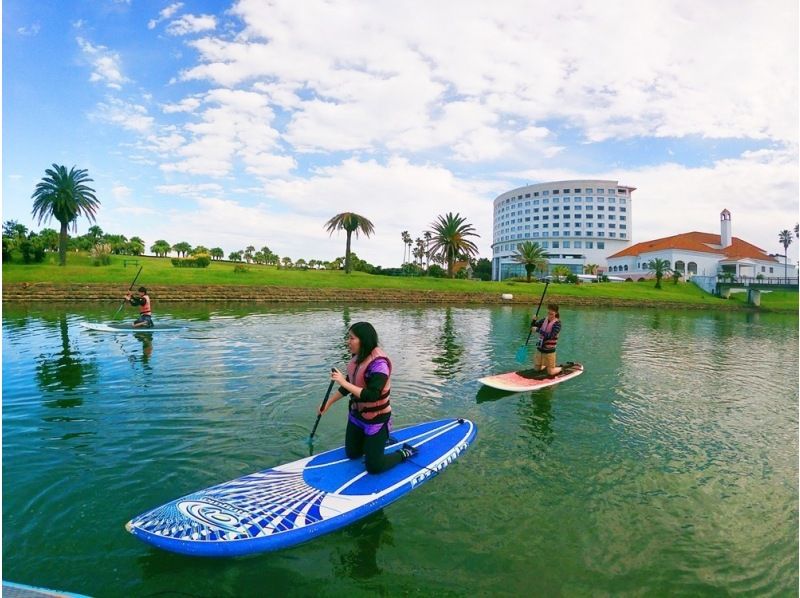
(252, 123)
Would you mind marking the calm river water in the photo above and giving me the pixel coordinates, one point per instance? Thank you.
(669, 467)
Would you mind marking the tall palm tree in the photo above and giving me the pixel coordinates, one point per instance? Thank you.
(405, 237)
(532, 256)
(658, 267)
(64, 196)
(450, 241)
(590, 269)
(350, 222)
(785, 238)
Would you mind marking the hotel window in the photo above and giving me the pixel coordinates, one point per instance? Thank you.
(612, 234)
(612, 209)
(622, 226)
(589, 244)
(566, 216)
(601, 245)
(623, 210)
(545, 244)
(622, 235)
(566, 245)
(611, 200)
(527, 195)
(545, 202)
(600, 234)
(566, 191)
(555, 244)
(600, 208)
(589, 199)
(566, 200)
(536, 194)
(566, 208)
(587, 191)
(612, 191)
(545, 193)
(578, 207)
(577, 244)
(622, 200)
(590, 215)
(600, 191)
(555, 191)
(578, 215)
(612, 226)
(621, 191)
(577, 190)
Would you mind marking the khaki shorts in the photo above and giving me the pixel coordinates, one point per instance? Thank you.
(547, 360)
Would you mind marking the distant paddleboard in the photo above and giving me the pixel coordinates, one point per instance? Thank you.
(120, 328)
(525, 380)
(289, 504)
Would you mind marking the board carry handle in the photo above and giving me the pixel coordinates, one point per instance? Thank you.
(130, 288)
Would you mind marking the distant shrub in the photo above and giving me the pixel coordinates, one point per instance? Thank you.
(201, 260)
(101, 254)
(240, 269)
(32, 251)
(572, 278)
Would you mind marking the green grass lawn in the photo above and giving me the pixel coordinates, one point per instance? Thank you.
(160, 271)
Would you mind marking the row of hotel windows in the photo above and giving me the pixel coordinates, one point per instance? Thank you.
(503, 206)
(556, 233)
(511, 215)
(504, 225)
(556, 245)
(584, 191)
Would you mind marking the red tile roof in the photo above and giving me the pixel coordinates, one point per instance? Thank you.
(696, 241)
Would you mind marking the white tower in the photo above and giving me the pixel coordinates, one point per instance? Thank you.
(725, 228)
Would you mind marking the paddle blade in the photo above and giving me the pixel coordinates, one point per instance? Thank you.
(522, 354)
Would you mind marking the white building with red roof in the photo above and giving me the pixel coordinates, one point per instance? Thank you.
(700, 254)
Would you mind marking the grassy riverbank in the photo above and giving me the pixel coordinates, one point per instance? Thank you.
(159, 272)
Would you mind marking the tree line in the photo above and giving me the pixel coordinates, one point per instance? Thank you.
(65, 195)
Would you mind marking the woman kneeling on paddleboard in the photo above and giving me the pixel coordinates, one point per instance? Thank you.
(369, 419)
(548, 328)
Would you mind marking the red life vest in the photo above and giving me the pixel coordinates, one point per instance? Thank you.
(355, 373)
(547, 342)
(144, 309)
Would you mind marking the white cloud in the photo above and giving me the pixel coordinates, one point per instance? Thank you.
(105, 64)
(133, 117)
(29, 30)
(192, 24)
(165, 14)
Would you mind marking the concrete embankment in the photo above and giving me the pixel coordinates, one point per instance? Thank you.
(101, 293)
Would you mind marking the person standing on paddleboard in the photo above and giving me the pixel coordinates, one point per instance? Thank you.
(548, 328)
(145, 319)
(369, 418)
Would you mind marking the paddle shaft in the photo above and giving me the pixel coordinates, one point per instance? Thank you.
(130, 288)
(538, 307)
(321, 407)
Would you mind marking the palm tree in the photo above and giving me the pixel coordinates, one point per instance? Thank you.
(590, 269)
(350, 222)
(560, 272)
(161, 248)
(658, 267)
(217, 253)
(797, 230)
(449, 239)
(428, 236)
(136, 246)
(532, 256)
(182, 248)
(64, 196)
(405, 237)
(785, 238)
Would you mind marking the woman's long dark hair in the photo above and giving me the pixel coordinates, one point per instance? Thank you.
(364, 332)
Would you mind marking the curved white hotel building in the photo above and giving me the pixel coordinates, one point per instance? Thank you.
(576, 222)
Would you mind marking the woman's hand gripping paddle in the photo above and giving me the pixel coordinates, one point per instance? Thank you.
(522, 352)
(130, 288)
(319, 415)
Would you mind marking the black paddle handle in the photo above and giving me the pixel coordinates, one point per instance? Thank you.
(538, 307)
(321, 407)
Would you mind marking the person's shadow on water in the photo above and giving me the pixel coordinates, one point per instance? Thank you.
(147, 350)
(368, 535)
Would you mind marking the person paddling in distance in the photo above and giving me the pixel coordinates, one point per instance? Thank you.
(548, 328)
(369, 418)
(145, 319)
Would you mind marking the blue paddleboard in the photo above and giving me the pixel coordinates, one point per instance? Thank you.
(293, 503)
(120, 328)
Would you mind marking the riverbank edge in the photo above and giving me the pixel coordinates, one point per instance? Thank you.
(101, 293)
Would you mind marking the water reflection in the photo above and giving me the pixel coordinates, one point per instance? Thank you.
(147, 350)
(65, 370)
(536, 415)
(450, 351)
(369, 534)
